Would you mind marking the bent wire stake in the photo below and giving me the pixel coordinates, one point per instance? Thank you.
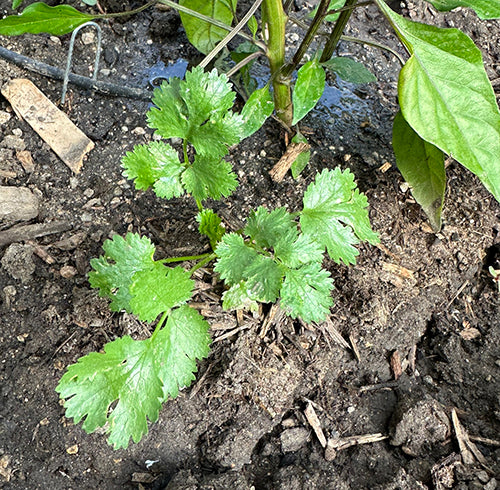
(70, 56)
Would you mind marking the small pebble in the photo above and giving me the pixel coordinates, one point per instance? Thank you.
(68, 272)
(4, 117)
(88, 37)
(55, 40)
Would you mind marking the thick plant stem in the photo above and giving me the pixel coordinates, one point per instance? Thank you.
(274, 18)
(308, 38)
(339, 27)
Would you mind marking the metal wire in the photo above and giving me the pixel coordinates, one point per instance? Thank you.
(70, 56)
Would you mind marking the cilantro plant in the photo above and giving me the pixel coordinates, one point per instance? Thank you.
(448, 106)
(277, 256)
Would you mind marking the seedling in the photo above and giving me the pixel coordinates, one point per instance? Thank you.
(448, 107)
(277, 256)
(496, 276)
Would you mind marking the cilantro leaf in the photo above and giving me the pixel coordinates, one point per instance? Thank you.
(113, 271)
(306, 292)
(197, 109)
(266, 227)
(170, 116)
(157, 290)
(207, 177)
(210, 226)
(264, 278)
(136, 374)
(233, 257)
(295, 251)
(237, 297)
(335, 215)
(155, 165)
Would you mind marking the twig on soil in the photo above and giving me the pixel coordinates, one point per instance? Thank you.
(335, 335)
(379, 386)
(199, 383)
(337, 444)
(314, 422)
(468, 449)
(457, 294)
(485, 440)
(396, 368)
(22, 233)
(355, 349)
(293, 150)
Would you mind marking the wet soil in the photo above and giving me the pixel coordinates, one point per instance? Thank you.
(424, 298)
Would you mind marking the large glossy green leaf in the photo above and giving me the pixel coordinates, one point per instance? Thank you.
(422, 166)
(485, 9)
(39, 17)
(202, 35)
(446, 97)
(308, 89)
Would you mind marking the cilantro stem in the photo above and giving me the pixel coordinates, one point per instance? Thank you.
(203, 262)
(171, 260)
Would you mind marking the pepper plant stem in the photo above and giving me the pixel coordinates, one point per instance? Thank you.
(308, 38)
(336, 34)
(274, 19)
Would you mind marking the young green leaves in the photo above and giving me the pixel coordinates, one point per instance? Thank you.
(197, 110)
(137, 375)
(278, 260)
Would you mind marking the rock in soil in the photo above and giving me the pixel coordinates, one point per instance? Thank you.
(418, 425)
(18, 262)
(17, 204)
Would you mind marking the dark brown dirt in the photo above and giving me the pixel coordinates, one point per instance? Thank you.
(242, 424)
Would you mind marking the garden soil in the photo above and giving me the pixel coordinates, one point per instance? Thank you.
(403, 378)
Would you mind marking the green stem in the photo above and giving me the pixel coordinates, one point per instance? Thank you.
(129, 12)
(159, 325)
(171, 260)
(203, 262)
(339, 27)
(274, 18)
(308, 38)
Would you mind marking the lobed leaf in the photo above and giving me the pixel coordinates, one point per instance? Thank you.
(197, 109)
(263, 279)
(210, 226)
(446, 97)
(295, 251)
(233, 257)
(308, 89)
(485, 9)
(209, 178)
(157, 290)
(306, 293)
(335, 215)
(113, 272)
(237, 297)
(422, 166)
(155, 165)
(39, 17)
(266, 227)
(137, 375)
